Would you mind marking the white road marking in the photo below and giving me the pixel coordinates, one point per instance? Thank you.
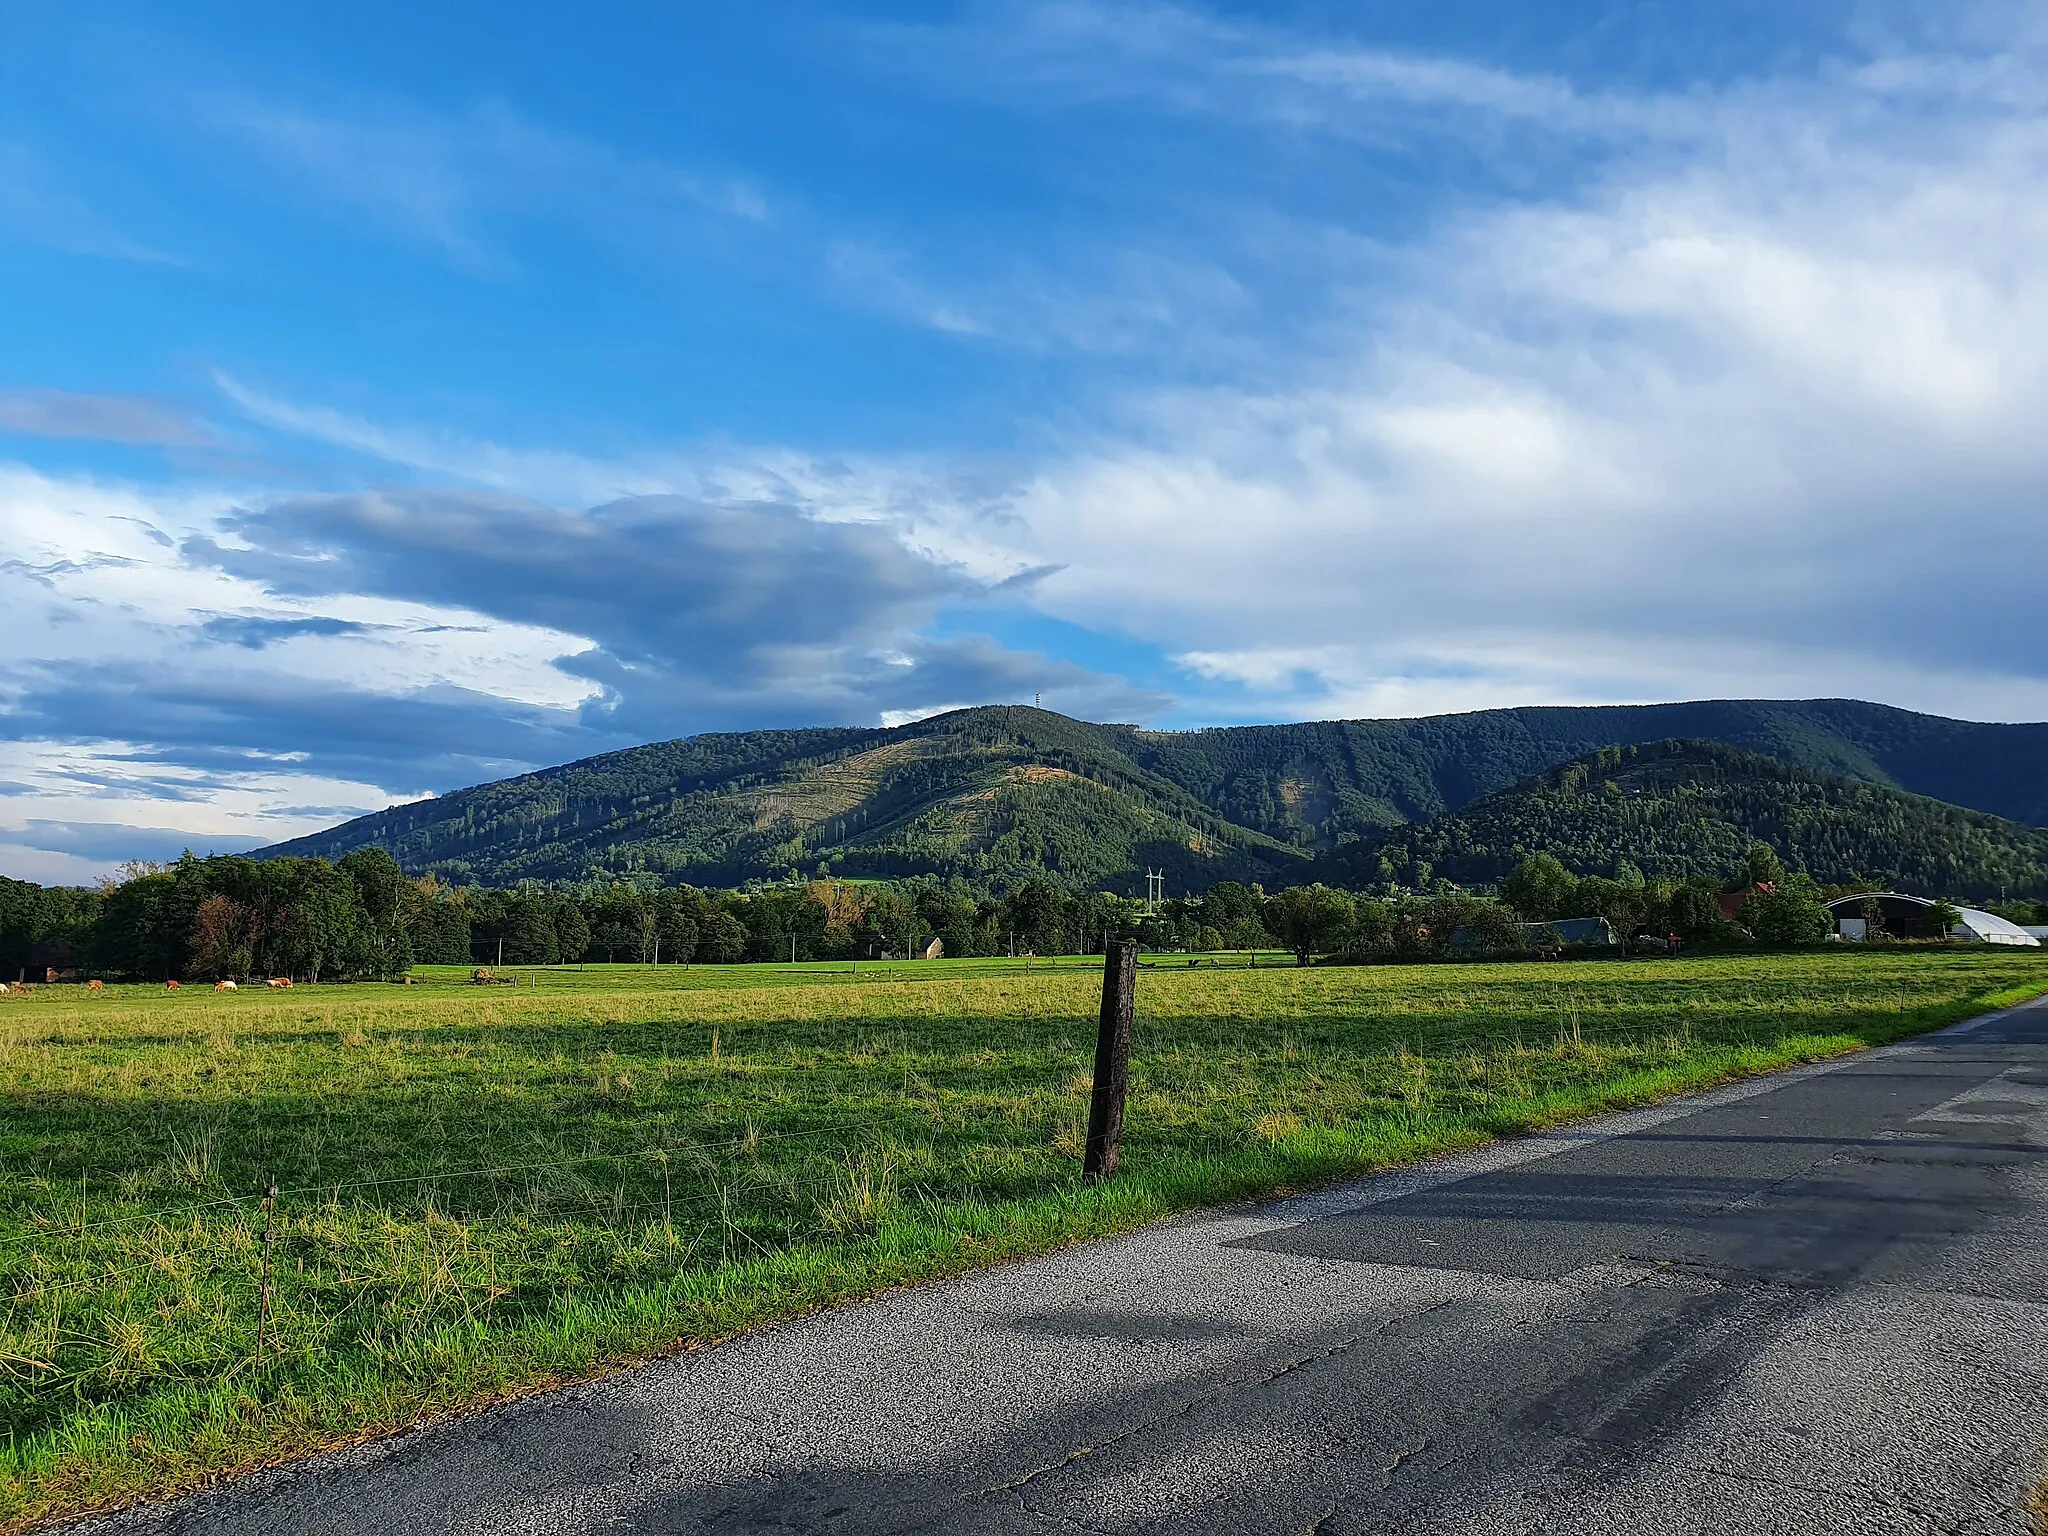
(2002, 1089)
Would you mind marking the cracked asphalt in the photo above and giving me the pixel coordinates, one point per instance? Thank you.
(1814, 1303)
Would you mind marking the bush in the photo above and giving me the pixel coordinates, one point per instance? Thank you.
(1791, 914)
(1310, 919)
(720, 938)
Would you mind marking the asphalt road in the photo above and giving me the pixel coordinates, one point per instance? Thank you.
(1812, 1304)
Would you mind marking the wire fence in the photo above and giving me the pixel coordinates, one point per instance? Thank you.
(697, 1155)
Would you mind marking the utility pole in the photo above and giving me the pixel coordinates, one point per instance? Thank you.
(1112, 1062)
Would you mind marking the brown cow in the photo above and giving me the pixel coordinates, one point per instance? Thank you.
(170, 986)
(96, 986)
(223, 986)
(279, 983)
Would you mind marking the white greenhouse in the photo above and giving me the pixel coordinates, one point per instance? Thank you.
(1906, 917)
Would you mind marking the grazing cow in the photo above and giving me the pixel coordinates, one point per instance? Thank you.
(279, 983)
(170, 986)
(223, 986)
(95, 986)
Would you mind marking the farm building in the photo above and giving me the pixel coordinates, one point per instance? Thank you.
(1887, 914)
(1596, 932)
(1731, 901)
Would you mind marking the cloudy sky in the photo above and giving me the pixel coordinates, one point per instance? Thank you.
(394, 396)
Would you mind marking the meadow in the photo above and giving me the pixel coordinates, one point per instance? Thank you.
(483, 1190)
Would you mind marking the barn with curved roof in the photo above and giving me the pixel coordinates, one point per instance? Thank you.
(1891, 915)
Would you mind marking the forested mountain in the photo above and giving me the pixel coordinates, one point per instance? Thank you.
(1002, 792)
(996, 795)
(1683, 810)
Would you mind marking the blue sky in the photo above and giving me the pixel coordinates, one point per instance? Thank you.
(393, 397)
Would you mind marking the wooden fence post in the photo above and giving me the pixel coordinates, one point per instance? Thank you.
(1112, 1061)
(263, 1312)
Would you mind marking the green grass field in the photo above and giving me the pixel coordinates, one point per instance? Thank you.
(485, 1189)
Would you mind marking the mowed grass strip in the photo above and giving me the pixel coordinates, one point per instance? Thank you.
(488, 1189)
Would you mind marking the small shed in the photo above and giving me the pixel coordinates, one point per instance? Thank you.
(936, 950)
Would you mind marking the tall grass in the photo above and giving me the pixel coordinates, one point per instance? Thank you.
(484, 1190)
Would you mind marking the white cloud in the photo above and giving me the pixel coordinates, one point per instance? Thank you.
(445, 179)
(1375, 74)
(110, 637)
(895, 717)
(544, 474)
(1735, 403)
(46, 867)
(1115, 302)
(39, 206)
(1194, 61)
(107, 801)
(1491, 670)
(1747, 403)
(95, 577)
(1737, 398)
(107, 418)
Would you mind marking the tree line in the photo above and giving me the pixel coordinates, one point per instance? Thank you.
(220, 918)
(363, 916)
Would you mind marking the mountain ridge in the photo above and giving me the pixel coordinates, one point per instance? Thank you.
(999, 792)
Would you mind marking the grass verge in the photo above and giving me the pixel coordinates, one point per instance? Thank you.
(487, 1192)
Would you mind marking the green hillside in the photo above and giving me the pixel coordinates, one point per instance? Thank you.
(991, 794)
(1001, 792)
(1689, 809)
